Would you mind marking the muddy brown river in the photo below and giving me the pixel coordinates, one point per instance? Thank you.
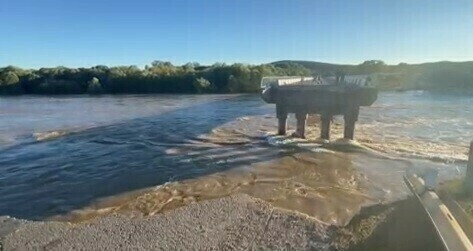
(77, 157)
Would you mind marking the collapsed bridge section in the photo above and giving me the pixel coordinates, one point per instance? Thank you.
(325, 96)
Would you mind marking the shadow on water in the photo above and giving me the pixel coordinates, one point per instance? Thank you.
(53, 177)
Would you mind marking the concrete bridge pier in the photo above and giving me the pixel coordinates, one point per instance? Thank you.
(325, 120)
(349, 132)
(302, 96)
(350, 119)
(301, 118)
(281, 114)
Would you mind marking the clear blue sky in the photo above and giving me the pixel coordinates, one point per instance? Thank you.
(73, 33)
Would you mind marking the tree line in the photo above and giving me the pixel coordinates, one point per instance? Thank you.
(158, 77)
(164, 77)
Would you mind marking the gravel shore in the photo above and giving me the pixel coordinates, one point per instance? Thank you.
(237, 222)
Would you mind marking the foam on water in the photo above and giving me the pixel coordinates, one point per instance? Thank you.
(40, 136)
(310, 178)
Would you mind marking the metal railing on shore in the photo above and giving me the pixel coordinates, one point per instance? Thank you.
(468, 183)
(449, 230)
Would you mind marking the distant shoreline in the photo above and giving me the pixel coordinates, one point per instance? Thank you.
(192, 78)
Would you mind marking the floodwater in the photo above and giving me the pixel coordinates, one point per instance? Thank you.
(76, 157)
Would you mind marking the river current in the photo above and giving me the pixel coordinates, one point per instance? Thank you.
(77, 157)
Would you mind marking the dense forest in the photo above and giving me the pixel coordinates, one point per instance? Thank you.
(164, 77)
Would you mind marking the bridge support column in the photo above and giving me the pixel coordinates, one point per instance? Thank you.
(350, 119)
(349, 132)
(300, 127)
(282, 120)
(325, 126)
(282, 126)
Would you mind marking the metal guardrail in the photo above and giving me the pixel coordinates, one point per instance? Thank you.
(448, 229)
(454, 234)
(468, 183)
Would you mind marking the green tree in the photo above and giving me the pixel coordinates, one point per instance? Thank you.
(94, 86)
(202, 85)
(9, 78)
(371, 66)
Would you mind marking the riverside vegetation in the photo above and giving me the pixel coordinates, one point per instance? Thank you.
(164, 77)
(159, 77)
